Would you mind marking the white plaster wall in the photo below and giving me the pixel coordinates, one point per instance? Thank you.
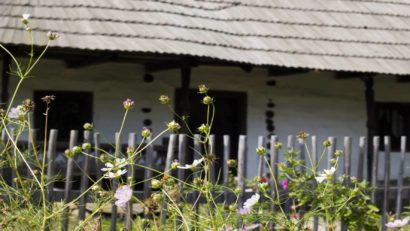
(313, 102)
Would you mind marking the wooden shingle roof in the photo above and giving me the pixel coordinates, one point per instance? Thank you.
(345, 35)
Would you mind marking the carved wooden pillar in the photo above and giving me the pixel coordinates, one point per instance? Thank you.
(184, 104)
(371, 120)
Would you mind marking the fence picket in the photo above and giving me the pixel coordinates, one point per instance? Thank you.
(226, 153)
(69, 178)
(51, 153)
(98, 173)
(362, 154)
(403, 143)
(211, 151)
(168, 162)
(132, 144)
(241, 167)
(376, 146)
(113, 222)
(386, 186)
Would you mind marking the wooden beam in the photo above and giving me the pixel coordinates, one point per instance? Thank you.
(351, 75)
(284, 71)
(5, 78)
(371, 121)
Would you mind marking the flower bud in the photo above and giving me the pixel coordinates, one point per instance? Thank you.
(104, 158)
(24, 19)
(155, 184)
(231, 163)
(278, 145)
(353, 179)
(203, 89)
(86, 146)
(157, 197)
(207, 100)
(128, 104)
(76, 150)
(130, 150)
(88, 126)
(68, 153)
(302, 135)
(163, 99)
(173, 126)
(261, 151)
(338, 153)
(263, 186)
(233, 208)
(327, 143)
(175, 164)
(237, 191)
(333, 162)
(51, 35)
(145, 133)
(203, 128)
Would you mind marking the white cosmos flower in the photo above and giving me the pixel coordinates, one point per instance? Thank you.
(327, 174)
(26, 16)
(194, 164)
(116, 164)
(123, 195)
(397, 223)
(251, 201)
(320, 179)
(116, 174)
(330, 171)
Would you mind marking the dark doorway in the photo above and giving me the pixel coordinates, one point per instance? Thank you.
(70, 110)
(230, 118)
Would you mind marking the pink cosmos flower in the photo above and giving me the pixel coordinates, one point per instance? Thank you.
(285, 183)
(397, 224)
(123, 195)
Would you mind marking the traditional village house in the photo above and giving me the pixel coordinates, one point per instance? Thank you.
(328, 67)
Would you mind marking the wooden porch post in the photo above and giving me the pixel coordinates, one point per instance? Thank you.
(184, 104)
(371, 121)
(5, 76)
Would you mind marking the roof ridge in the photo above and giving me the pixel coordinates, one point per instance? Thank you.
(243, 34)
(312, 24)
(292, 8)
(207, 43)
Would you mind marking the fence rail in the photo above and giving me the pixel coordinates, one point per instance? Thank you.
(177, 148)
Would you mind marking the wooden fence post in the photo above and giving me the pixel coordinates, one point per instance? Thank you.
(69, 178)
(386, 187)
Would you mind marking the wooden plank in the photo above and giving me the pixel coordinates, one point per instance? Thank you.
(98, 172)
(226, 153)
(149, 160)
(241, 168)
(347, 158)
(261, 143)
(291, 143)
(273, 162)
(211, 151)
(132, 144)
(302, 155)
(84, 177)
(196, 196)
(387, 152)
(97, 153)
(360, 162)
(113, 222)
(168, 162)
(69, 178)
(182, 153)
(331, 151)
(315, 163)
(376, 146)
(51, 153)
(403, 143)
